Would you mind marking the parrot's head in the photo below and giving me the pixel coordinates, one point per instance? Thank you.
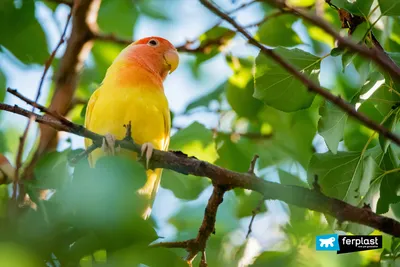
(155, 53)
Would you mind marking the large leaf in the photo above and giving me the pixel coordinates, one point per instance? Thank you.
(389, 7)
(118, 17)
(331, 125)
(241, 99)
(235, 154)
(280, 89)
(390, 183)
(277, 31)
(357, 7)
(240, 88)
(339, 175)
(195, 140)
(22, 33)
(51, 171)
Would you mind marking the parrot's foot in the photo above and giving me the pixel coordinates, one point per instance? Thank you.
(109, 144)
(147, 150)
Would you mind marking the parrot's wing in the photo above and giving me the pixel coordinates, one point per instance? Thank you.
(156, 174)
(167, 128)
(89, 109)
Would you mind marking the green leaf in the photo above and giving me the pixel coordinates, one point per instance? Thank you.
(390, 182)
(241, 99)
(235, 155)
(3, 143)
(20, 26)
(240, 88)
(152, 9)
(51, 171)
(331, 125)
(355, 128)
(275, 258)
(357, 7)
(187, 187)
(277, 31)
(103, 199)
(194, 140)
(205, 100)
(248, 203)
(389, 7)
(2, 86)
(3, 201)
(389, 124)
(278, 88)
(118, 17)
(369, 187)
(339, 176)
(212, 41)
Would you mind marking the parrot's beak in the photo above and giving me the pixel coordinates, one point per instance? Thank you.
(172, 59)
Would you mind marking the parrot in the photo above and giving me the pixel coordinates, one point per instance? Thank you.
(132, 92)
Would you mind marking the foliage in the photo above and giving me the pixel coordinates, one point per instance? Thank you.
(92, 214)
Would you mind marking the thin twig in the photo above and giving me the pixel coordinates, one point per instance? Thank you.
(242, 6)
(84, 153)
(22, 139)
(273, 15)
(254, 212)
(311, 85)
(35, 104)
(18, 159)
(253, 164)
(51, 58)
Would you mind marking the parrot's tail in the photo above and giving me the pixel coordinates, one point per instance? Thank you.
(149, 190)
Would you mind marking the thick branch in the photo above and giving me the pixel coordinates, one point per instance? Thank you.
(312, 86)
(179, 162)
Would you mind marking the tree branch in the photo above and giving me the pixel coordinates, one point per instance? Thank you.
(374, 54)
(312, 86)
(78, 47)
(224, 179)
(22, 139)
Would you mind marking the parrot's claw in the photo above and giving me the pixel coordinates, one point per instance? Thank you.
(147, 150)
(109, 144)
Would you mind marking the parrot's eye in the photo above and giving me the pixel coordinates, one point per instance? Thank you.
(153, 42)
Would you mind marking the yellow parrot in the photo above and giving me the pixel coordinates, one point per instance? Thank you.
(132, 91)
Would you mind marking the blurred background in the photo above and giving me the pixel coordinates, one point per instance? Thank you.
(215, 116)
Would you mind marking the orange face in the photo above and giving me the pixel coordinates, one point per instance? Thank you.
(155, 53)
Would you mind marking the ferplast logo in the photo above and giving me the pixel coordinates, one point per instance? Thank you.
(348, 243)
(353, 243)
(327, 242)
